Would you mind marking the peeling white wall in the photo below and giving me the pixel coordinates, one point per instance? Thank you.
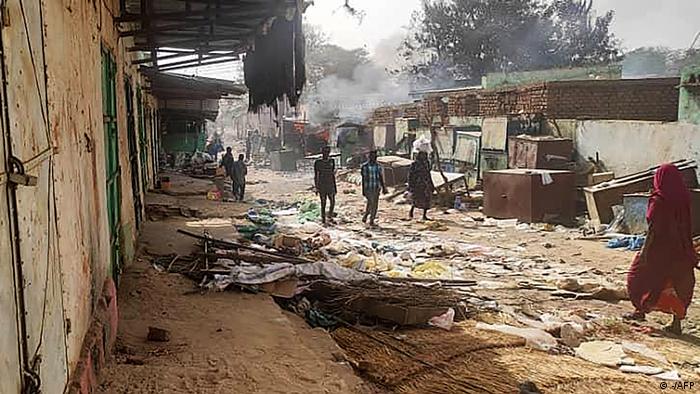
(626, 147)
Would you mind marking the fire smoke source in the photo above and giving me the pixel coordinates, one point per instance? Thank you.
(354, 99)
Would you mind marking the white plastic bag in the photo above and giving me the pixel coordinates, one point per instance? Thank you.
(444, 321)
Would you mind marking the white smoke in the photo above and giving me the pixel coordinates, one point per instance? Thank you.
(372, 85)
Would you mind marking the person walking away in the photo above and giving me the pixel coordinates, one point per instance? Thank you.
(239, 173)
(324, 180)
(228, 162)
(661, 277)
(372, 185)
(420, 184)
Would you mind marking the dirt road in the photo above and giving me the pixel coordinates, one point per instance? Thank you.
(243, 343)
(220, 342)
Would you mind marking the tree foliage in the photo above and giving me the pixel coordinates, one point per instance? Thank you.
(465, 39)
(658, 61)
(324, 59)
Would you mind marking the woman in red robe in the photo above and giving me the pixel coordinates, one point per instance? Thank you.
(661, 277)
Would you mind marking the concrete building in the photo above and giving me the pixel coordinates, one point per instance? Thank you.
(80, 130)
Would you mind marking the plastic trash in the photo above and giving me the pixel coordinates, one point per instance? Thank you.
(617, 243)
(641, 369)
(534, 338)
(605, 353)
(444, 321)
(673, 376)
(644, 351)
(429, 270)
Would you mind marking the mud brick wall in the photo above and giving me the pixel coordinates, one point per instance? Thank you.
(387, 115)
(530, 99)
(642, 99)
(463, 104)
(654, 99)
(434, 111)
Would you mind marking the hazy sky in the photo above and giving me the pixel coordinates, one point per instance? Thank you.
(671, 23)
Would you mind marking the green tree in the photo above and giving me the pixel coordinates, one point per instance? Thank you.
(324, 59)
(465, 39)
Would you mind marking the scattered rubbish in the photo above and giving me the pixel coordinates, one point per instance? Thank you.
(285, 212)
(430, 269)
(318, 240)
(288, 244)
(444, 321)
(572, 334)
(214, 195)
(256, 275)
(309, 211)
(644, 351)
(600, 198)
(609, 354)
(633, 243)
(641, 369)
(316, 318)
(672, 376)
(261, 217)
(534, 338)
(156, 334)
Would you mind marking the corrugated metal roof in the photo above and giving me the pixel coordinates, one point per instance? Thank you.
(214, 30)
(174, 86)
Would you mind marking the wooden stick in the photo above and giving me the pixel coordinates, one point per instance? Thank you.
(287, 258)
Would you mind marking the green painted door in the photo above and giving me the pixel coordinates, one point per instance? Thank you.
(109, 108)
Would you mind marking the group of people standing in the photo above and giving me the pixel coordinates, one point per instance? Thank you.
(237, 171)
(420, 185)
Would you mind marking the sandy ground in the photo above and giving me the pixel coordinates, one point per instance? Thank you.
(240, 343)
(221, 342)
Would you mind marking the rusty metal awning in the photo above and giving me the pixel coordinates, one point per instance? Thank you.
(188, 33)
(170, 86)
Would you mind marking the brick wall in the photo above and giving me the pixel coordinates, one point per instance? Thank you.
(530, 99)
(387, 115)
(640, 99)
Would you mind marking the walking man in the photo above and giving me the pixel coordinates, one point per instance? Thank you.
(228, 162)
(372, 185)
(324, 180)
(239, 173)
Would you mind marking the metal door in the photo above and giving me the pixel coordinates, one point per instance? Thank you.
(109, 108)
(133, 150)
(33, 339)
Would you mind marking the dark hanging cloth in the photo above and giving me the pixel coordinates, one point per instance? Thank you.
(275, 67)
